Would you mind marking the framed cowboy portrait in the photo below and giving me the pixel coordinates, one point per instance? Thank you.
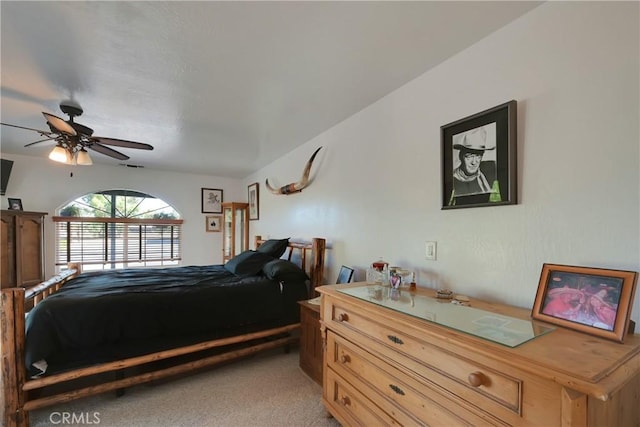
(596, 301)
(479, 159)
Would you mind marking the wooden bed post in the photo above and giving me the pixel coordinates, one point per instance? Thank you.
(318, 247)
(13, 368)
(75, 266)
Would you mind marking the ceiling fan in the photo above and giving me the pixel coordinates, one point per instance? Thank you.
(73, 139)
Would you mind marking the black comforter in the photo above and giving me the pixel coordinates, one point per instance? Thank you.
(109, 315)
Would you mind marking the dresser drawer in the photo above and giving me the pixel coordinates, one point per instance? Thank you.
(391, 389)
(350, 406)
(492, 391)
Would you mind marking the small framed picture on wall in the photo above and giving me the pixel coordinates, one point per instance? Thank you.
(254, 201)
(211, 200)
(213, 223)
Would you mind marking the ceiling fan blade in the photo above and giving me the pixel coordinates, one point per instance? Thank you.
(107, 151)
(41, 132)
(59, 124)
(42, 140)
(122, 143)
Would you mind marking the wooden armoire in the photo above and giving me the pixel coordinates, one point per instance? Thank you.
(22, 251)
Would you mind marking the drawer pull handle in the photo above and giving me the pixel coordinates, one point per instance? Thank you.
(343, 317)
(396, 389)
(395, 339)
(345, 358)
(345, 401)
(476, 379)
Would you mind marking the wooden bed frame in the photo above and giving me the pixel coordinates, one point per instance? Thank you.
(21, 395)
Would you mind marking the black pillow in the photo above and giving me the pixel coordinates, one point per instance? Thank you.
(247, 263)
(274, 247)
(284, 271)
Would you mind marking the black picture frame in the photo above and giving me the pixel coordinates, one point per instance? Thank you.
(489, 141)
(596, 301)
(15, 204)
(253, 196)
(212, 199)
(345, 275)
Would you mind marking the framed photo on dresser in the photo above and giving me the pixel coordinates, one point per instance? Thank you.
(15, 204)
(596, 301)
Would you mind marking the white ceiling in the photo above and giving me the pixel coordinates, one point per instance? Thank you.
(220, 88)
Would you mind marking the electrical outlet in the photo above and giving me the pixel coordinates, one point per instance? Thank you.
(431, 250)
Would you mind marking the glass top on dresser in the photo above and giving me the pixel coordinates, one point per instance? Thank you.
(504, 330)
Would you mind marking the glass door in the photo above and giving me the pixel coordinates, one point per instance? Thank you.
(235, 229)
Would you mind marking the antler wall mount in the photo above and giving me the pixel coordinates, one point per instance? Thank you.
(295, 187)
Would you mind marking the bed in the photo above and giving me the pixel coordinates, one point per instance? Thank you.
(100, 331)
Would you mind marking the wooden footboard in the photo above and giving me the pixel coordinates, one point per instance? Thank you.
(18, 391)
(12, 316)
(17, 388)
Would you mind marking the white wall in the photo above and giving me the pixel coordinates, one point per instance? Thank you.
(573, 68)
(45, 186)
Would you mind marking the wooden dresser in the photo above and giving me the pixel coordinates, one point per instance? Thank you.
(384, 367)
(22, 258)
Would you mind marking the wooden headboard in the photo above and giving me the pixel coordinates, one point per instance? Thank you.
(313, 265)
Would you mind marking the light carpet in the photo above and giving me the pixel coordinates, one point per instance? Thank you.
(268, 389)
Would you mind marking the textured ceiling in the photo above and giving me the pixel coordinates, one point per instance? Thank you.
(220, 88)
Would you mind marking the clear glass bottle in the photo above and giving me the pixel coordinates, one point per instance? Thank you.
(385, 275)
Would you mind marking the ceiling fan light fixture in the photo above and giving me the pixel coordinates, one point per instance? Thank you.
(83, 158)
(60, 154)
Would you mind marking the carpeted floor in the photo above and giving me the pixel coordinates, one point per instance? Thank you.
(266, 390)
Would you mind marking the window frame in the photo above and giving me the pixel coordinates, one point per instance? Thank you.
(64, 256)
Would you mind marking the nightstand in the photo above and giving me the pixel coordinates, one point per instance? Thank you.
(310, 340)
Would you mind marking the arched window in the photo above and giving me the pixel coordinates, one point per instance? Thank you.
(118, 229)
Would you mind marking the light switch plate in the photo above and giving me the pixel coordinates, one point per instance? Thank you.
(431, 250)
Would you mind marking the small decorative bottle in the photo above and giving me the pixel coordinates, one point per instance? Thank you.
(412, 285)
(382, 268)
(385, 274)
